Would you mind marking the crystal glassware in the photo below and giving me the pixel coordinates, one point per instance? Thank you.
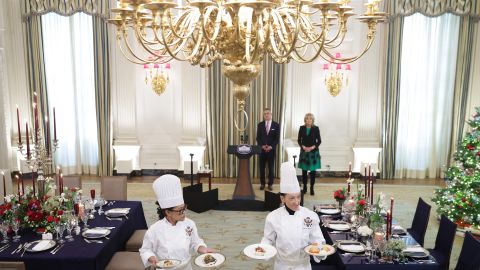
(4, 230)
(15, 228)
(60, 228)
(84, 218)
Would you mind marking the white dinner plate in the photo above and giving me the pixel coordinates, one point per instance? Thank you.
(339, 226)
(416, 252)
(325, 250)
(95, 233)
(117, 212)
(329, 211)
(41, 245)
(219, 260)
(351, 246)
(98, 202)
(250, 252)
(168, 263)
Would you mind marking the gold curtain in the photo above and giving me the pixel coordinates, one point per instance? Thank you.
(66, 7)
(266, 91)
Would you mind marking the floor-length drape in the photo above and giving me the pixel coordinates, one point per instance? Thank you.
(266, 91)
(462, 81)
(391, 94)
(429, 51)
(99, 10)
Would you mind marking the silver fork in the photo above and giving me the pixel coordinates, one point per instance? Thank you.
(59, 247)
(17, 249)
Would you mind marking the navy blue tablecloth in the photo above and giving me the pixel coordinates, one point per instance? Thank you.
(80, 255)
(360, 262)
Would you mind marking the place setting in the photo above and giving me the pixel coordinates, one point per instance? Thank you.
(327, 209)
(96, 235)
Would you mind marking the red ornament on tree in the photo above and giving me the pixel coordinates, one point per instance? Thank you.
(470, 147)
(464, 199)
(478, 153)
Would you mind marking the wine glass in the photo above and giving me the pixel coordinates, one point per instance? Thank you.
(84, 218)
(15, 228)
(60, 228)
(69, 227)
(4, 230)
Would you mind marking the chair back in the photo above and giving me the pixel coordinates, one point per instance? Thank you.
(445, 238)
(114, 187)
(72, 181)
(12, 266)
(420, 221)
(469, 259)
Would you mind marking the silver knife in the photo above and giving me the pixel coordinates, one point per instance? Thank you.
(4, 247)
(27, 245)
(59, 247)
(17, 249)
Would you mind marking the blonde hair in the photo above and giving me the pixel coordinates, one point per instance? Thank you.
(309, 115)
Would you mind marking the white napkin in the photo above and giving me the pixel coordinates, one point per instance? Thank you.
(414, 249)
(96, 231)
(339, 226)
(119, 210)
(41, 245)
(354, 248)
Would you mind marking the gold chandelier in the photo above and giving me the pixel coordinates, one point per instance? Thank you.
(336, 76)
(157, 75)
(237, 32)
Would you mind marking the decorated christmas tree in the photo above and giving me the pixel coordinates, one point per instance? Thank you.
(460, 199)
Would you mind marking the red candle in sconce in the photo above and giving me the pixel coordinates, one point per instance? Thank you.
(28, 142)
(35, 123)
(61, 183)
(54, 125)
(47, 139)
(389, 217)
(391, 205)
(348, 186)
(18, 125)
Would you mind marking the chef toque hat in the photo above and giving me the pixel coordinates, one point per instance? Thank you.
(288, 178)
(168, 190)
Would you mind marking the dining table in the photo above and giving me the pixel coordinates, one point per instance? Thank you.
(81, 253)
(342, 260)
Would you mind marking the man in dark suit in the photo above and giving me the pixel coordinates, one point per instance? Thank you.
(268, 134)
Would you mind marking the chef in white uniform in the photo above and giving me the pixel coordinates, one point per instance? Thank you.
(291, 227)
(174, 236)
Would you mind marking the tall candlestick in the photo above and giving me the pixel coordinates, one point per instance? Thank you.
(391, 205)
(18, 126)
(35, 123)
(371, 192)
(28, 142)
(389, 217)
(54, 125)
(4, 186)
(349, 167)
(369, 169)
(348, 186)
(47, 139)
(61, 183)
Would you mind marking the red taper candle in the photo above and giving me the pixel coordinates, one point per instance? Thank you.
(18, 126)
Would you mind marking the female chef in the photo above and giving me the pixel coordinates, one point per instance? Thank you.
(291, 227)
(174, 235)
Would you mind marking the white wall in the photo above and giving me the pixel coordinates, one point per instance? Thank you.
(159, 124)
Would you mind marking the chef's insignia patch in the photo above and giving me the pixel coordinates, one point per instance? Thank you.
(189, 231)
(308, 222)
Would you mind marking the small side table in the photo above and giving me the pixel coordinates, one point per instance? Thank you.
(205, 174)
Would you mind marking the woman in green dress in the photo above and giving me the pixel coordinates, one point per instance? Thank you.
(309, 140)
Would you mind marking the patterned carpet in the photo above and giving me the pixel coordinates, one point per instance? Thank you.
(230, 231)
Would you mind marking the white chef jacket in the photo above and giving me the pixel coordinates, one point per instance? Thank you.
(290, 234)
(166, 241)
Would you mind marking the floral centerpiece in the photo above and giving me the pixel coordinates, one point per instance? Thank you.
(340, 195)
(393, 250)
(376, 218)
(39, 214)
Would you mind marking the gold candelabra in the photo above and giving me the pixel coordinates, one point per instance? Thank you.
(237, 32)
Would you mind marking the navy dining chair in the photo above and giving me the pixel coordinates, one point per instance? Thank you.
(420, 221)
(469, 258)
(444, 242)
